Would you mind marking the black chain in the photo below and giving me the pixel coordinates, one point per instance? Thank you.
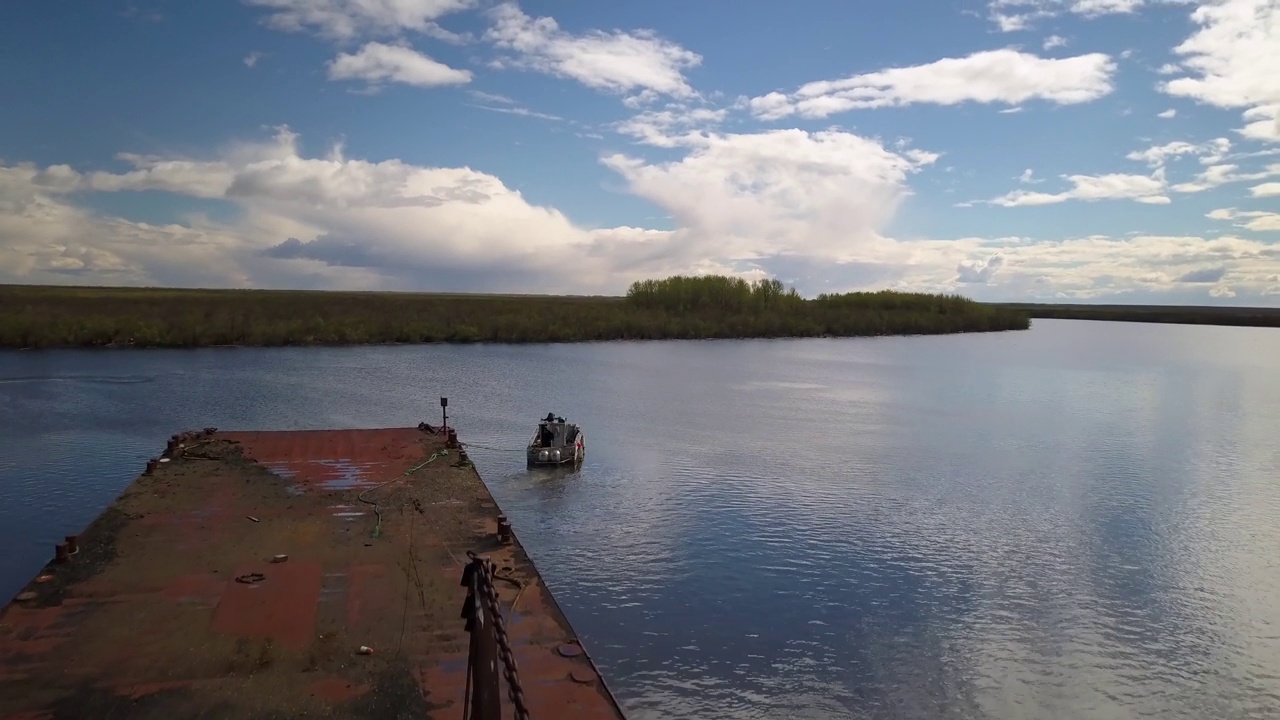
(510, 670)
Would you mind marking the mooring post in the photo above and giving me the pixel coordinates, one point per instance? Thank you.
(486, 697)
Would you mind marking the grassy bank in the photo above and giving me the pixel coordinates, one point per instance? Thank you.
(704, 307)
(1182, 314)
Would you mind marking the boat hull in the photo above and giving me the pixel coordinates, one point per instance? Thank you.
(546, 457)
(556, 443)
(557, 456)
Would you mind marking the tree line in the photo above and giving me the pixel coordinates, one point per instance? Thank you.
(677, 307)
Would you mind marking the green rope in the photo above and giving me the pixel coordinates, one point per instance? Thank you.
(377, 529)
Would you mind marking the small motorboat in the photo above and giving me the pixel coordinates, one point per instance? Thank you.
(556, 442)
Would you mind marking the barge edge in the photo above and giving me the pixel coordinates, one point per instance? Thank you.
(263, 575)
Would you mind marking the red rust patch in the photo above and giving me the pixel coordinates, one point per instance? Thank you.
(149, 610)
(281, 608)
(438, 681)
(36, 631)
(145, 689)
(336, 690)
(368, 597)
(200, 588)
(327, 460)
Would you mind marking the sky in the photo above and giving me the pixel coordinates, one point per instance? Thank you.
(1006, 150)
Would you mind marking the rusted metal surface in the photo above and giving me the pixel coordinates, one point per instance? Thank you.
(485, 682)
(247, 575)
(489, 638)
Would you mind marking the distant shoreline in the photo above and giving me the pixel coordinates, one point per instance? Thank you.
(1170, 314)
(60, 316)
(677, 308)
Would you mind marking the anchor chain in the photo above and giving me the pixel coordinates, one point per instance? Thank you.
(511, 671)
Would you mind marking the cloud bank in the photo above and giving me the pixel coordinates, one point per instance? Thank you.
(748, 204)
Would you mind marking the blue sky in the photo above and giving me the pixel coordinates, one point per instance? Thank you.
(1086, 150)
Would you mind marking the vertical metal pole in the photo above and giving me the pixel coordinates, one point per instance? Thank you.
(444, 415)
(486, 698)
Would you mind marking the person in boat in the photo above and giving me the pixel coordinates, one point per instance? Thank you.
(545, 436)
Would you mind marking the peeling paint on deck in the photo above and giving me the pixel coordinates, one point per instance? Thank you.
(172, 605)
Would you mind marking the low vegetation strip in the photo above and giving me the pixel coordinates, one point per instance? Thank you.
(674, 308)
(1180, 314)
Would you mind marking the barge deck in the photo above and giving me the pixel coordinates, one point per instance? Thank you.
(262, 575)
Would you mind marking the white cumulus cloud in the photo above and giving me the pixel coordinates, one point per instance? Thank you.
(618, 61)
(821, 195)
(979, 271)
(789, 203)
(1209, 152)
(1016, 15)
(1233, 62)
(671, 127)
(1114, 186)
(1254, 220)
(1002, 76)
(348, 19)
(378, 63)
(1216, 175)
(328, 221)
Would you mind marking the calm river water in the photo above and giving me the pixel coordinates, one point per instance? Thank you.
(1077, 521)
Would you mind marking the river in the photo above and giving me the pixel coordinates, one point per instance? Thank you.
(1081, 520)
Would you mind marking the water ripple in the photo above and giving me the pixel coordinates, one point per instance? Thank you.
(1074, 522)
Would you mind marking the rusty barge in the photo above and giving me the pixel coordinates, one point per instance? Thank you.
(318, 574)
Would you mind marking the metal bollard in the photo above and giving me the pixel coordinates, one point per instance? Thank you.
(483, 657)
(61, 553)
